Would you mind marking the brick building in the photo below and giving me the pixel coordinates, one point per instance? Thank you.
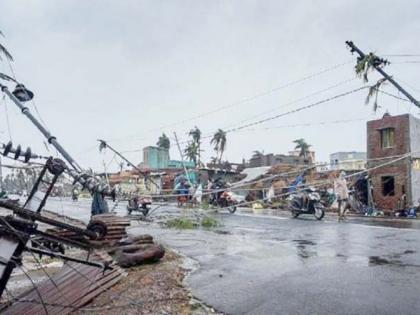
(398, 184)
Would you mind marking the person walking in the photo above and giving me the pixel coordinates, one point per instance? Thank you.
(342, 192)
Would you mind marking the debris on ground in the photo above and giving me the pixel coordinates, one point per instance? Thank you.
(67, 290)
(133, 251)
(149, 289)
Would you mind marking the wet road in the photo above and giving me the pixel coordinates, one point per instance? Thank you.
(268, 264)
(276, 265)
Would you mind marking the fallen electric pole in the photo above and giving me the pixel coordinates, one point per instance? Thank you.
(376, 63)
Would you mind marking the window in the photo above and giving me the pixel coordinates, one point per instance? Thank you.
(388, 137)
(388, 186)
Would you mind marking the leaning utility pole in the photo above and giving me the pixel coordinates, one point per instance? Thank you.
(376, 63)
(182, 158)
(51, 139)
(1, 176)
(104, 144)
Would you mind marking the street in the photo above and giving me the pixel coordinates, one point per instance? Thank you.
(268, 263)
(262, 264)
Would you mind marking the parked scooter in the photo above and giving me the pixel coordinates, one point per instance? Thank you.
(306, 202)
(142, 204)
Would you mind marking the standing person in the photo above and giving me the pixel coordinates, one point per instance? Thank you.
(271, 194)
(342, 192)
(198, 194)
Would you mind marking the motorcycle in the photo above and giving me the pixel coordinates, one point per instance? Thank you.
(182, 200)
(306, 202)
(226, 200)
(142, 204)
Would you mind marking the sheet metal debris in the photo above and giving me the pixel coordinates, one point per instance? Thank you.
(73, 287)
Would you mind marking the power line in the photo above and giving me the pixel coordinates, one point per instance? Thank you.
(409, 85)
(331, 87)
(311, 124)
(394, 96)
(238, 128)
(402, 55)
(297, 109)
(408, 61)
(246, 99)
(7, 118)
(209, 135)
(251, 98)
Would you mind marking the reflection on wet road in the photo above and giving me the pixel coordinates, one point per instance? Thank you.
(257, 264)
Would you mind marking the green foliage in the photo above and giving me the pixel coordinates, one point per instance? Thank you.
(195, 146)
(303, 147)
(164, 142)
(195, 134)
(186, 223)
(181, 223)
(373, 92)
(364, 65)
(191, 152)
(209, 222)
(204, 205)
(219, 142)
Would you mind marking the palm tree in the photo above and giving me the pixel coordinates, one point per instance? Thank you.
(191, 152)
(213, 160)
(4, 51)
(196, 138)
(303, 147)
(219, 141)
(164, 142)
(257, 153)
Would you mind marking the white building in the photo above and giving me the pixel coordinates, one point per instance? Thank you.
(348, 161)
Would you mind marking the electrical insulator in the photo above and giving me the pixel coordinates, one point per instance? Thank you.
(17, 153)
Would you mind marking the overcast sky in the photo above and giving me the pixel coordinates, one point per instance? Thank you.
(127, 71)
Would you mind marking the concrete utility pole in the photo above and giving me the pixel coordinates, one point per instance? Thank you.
(376, 64)
(51, 139)
(1, 176)
(182, 159)
(106, 145)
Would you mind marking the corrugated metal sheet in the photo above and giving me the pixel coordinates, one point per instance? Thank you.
(73, 287)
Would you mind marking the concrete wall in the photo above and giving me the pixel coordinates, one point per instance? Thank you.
(414, 166)
(272, 160)
(348, 160)
(155, 158)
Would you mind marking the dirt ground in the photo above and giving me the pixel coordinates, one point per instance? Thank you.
(149, 289)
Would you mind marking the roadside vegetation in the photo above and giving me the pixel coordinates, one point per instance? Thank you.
(186, 223)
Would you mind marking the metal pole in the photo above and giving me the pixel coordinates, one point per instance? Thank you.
(182, 159)
(1, 176)
(353, 48)
(129, 162)
(51, 139)
(106, 172)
